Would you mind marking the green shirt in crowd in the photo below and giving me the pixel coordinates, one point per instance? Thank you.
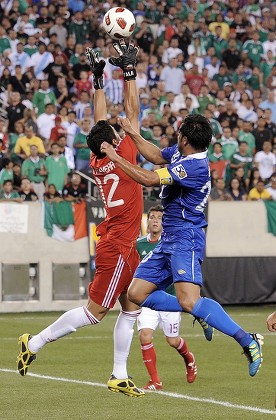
(6, 174)
(30, 169)
(42, 98)
(249, 139)
(82, 152)
(246, 160)
(57, 170)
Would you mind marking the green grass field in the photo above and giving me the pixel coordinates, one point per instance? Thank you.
(67, 381)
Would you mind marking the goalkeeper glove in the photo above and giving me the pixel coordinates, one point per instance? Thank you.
(96, 66)
(127, 58)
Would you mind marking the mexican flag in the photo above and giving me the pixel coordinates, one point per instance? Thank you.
(65, 221)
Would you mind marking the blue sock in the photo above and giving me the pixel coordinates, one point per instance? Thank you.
(162, 301)
(213, 313)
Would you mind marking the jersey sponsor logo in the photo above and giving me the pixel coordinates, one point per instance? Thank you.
(104, 169)
(179, 171)
(144, 253)
(181, 271)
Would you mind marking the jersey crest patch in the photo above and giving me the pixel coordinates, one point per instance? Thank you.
(179, 171)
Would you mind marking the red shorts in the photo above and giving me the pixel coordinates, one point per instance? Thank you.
(115, 267)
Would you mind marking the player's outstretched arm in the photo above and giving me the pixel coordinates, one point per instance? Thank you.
(97, 68)
(150, 152)
(271, 322)
(126, 60)
(140, 175)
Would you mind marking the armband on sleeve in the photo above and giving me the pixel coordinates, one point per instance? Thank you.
(165, 176)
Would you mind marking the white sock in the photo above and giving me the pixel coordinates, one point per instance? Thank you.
(66, 324)
(123, 333)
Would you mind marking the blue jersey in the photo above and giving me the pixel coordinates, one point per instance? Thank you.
(186, 190)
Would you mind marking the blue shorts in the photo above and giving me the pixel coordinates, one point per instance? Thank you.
(176, 258)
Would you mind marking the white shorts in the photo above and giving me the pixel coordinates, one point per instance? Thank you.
(168, 321)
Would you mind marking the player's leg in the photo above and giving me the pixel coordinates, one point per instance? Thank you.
(66, 324)
(147, 323)
(128, 259)
(123, 333)
(171, 324)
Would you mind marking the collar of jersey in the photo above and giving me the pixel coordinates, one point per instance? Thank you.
(200, 155)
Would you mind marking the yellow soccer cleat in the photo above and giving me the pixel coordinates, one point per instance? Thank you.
(126, 386)
(25, 357)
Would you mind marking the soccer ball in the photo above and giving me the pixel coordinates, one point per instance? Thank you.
(119, 22)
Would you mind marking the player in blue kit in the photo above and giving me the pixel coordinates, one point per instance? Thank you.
(185, 190)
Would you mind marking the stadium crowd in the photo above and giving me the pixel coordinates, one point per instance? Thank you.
(217, 58)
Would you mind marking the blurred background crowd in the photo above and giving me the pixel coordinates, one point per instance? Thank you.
(217, 58)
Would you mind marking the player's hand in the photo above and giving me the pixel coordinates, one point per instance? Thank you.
(271, 322)
(125, 124)
(109, 151)
(97, 67)
(127, 59)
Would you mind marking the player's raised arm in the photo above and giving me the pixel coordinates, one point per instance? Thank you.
(97, 67)
(138, 174)
(127, 60)
(150, 152)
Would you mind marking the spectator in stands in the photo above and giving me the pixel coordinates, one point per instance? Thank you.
(265, 161)
(52, 195)
(215, 154)
(246, 135)
(259, 192)
(269, 124)
(173, 77)
(23, 144)
(261, 134)
(20, 58)
(241, 159)
(15, 110)
(229, 144)
(66, 152)
(57, 168)
(219, 192)
(82, 149)
(20, 82)
(82, 104)
(75, 191)
(26, 193)
(229, 117)
(237, 193)
(34, 169)
(271, 188)
(43, 97)
(271, 104)
(60, 30)
(40, 60)
(71, 127)
(46, 121)
(7, 193)
(58, 130)
(6, 172)
(194, 80)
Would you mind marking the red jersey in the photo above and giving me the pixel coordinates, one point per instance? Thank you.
(83, 85)
(56, 132)
(122, 197)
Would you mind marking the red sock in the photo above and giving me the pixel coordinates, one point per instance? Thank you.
(184, 351)
(149, 358)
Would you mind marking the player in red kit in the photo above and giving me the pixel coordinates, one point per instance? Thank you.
(116, 254)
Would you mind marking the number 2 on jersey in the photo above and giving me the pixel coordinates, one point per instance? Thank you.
(115, 181)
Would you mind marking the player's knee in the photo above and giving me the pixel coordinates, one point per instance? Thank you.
(134, 295)
(187, 303)
(173, 341)
(145, 337)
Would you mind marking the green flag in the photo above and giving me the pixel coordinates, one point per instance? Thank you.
(271, 216)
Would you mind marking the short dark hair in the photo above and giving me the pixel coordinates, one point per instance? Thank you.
(102, 131)
(155, 208)
(6, 181)
(5, 162)
(197, 130)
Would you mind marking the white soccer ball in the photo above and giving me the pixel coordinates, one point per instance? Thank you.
(119, 22)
